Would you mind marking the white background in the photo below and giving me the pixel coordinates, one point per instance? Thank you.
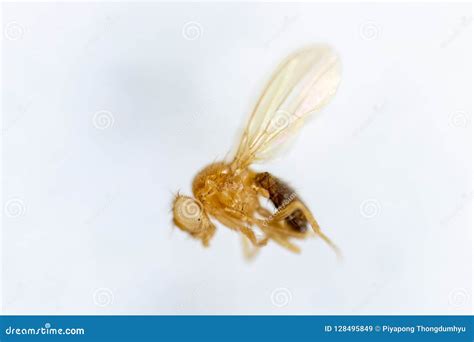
(109, 109)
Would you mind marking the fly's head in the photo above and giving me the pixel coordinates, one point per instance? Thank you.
(189, 216)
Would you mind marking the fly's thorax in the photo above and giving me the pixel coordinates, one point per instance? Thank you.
(209, 180)
(218, 187)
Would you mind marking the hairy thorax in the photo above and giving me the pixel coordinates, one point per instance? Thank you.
(217, 187)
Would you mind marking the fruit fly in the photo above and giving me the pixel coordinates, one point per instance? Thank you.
(230, 192)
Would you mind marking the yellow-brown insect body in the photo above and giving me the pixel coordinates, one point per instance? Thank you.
(230, 192)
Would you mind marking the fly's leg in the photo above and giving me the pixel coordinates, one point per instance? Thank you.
(295, 205)
(263, 192)
(273, 231)
(250, 251)
(282, 227)
(284, 242)
(239, 226)
(276, 231)
(269, 228)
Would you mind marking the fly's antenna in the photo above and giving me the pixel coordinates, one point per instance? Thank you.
(174, 195)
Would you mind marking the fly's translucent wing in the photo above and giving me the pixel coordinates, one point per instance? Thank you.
(300, 87)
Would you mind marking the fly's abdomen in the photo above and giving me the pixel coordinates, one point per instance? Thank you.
(282, 195)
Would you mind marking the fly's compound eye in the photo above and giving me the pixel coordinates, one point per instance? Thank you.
(189, 215)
